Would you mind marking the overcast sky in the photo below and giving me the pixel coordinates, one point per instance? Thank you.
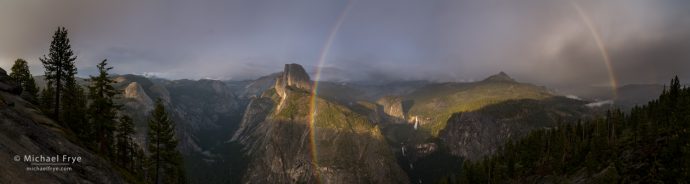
(539, 41)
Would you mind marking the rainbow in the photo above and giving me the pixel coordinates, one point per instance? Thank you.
(313, 105)
(600, 45)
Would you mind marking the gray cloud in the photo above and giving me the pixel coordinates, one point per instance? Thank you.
(540, 41)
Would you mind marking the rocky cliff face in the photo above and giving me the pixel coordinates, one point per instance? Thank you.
(479, 133)
(293, 76)
(256, 113)
(26, 131)
(137, 97)
(342, 146)
(392, 106)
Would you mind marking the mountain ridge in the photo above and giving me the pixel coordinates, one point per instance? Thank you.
(277, 106)
(276, 134)
(500, 77)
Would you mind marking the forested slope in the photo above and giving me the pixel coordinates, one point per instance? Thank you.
(648, 145)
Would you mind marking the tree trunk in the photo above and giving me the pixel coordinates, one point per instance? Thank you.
(58, 88)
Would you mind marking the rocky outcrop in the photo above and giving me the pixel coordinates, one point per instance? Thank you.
(475, 134)
(136, 101)
(135, 92)
(293, 76)
(392, 106)
(25, 131)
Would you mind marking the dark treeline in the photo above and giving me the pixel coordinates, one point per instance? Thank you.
(22, 75)
(648, 145)
(94, 117)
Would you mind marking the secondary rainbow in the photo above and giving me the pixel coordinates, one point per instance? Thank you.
(313, 105)
(600, 45)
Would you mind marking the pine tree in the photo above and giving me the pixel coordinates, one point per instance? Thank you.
(674, 93)
(125, 145)
(74, 101)
(102, 110)
(138, 164)
(46, 99)
(22, 75)
(56, 64)
(73, 114)
(165, 161)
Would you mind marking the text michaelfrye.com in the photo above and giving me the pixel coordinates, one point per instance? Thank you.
(48, 163)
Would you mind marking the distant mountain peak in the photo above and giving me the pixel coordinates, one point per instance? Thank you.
(500, 77)
(293, 75)
(136, 92)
